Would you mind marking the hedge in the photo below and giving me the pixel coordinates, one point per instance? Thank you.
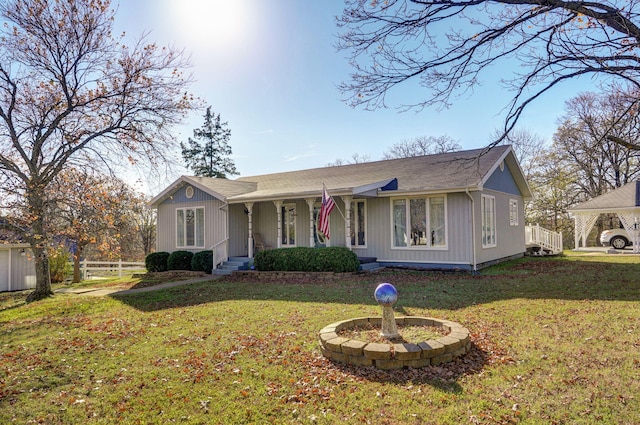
(156, 261)
(202, 261)
(329, 259)
(180, 260)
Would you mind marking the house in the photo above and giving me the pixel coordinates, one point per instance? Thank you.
(623, 201)
(460, 210)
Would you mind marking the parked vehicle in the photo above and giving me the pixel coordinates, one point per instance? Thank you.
(617, 238)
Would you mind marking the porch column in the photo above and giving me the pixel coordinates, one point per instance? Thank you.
(311, 202)
(347, 219)
(278, 205)
(249, 207)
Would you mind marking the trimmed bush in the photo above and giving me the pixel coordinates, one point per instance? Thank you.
(180, 260)
(331, 259)
(156, 261)
(202, 261)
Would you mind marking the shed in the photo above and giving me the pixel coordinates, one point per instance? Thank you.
(17, 268)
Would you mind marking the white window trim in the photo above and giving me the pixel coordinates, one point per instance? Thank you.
(195, 237)
(493, 224)
(514, 212)
(428, 247)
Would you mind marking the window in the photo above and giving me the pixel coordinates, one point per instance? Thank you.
(419, 222)
(358, 224)
(288, 224)
(513, 212)
(488, 221)
(190, 227)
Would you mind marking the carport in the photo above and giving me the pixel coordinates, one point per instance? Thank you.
(624, 202)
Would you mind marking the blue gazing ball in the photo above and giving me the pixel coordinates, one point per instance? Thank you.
(386, 294)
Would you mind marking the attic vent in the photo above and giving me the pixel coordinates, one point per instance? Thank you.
(189, 192)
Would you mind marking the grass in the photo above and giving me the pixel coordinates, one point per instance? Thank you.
(556, 340)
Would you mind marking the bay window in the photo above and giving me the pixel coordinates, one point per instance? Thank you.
(419, 222)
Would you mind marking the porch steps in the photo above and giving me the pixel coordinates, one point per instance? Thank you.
(231, 265)
(369, 264)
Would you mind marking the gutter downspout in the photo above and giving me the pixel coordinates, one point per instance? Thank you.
(473, 230)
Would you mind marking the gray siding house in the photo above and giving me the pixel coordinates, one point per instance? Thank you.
(459, 210)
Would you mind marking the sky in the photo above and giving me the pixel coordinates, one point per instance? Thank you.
(271, 70)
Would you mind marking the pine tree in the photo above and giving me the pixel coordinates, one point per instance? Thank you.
(208, 153)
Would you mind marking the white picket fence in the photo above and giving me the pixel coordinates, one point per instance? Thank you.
(90, 269)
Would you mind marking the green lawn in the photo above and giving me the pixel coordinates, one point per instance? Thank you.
(556, 340)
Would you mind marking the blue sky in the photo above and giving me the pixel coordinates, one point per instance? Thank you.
(270, 69)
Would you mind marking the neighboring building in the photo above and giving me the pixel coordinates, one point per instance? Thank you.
(623, 201)
(460, 210)
(17, 268)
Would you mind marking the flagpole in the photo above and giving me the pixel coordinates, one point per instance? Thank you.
(330, 196)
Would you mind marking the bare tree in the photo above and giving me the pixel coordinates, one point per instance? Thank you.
(356, 158)
(422, 146)
(528, 147)
(72, 94)
(599, 164)
(445, 45)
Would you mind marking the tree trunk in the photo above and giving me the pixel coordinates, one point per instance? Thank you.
(38, 240)
(76, 265)
(43, 278)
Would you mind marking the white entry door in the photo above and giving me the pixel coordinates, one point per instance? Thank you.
(4, 271)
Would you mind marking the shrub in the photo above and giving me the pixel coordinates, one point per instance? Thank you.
(202, 261)
(331, 259)
(156, 261)
(59, 266)
(180, 260)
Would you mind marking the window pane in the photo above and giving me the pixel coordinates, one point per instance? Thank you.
(190, 227)
(399, 222)
(200, 227)
(488, 221)
(436, 217)
(180, 228)
(288, 225)
(361, 222)
(418, 216)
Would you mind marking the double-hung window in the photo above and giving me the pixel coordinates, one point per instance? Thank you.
(419, 222)
(488, 221)
(190, 227)
(358, 224)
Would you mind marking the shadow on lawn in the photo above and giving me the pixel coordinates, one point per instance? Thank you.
(444, 376)
(529, 278)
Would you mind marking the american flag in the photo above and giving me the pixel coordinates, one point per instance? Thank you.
(325, 209)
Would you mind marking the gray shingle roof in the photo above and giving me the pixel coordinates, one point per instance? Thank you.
(456, 171)
(627, 196)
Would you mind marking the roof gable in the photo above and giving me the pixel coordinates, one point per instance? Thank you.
(627, 196)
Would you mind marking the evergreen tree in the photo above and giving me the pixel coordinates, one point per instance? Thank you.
(207, 154)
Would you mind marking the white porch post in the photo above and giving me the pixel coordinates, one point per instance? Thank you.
(311, 202)
(347, 219)
(249, 207)
(278, 205)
